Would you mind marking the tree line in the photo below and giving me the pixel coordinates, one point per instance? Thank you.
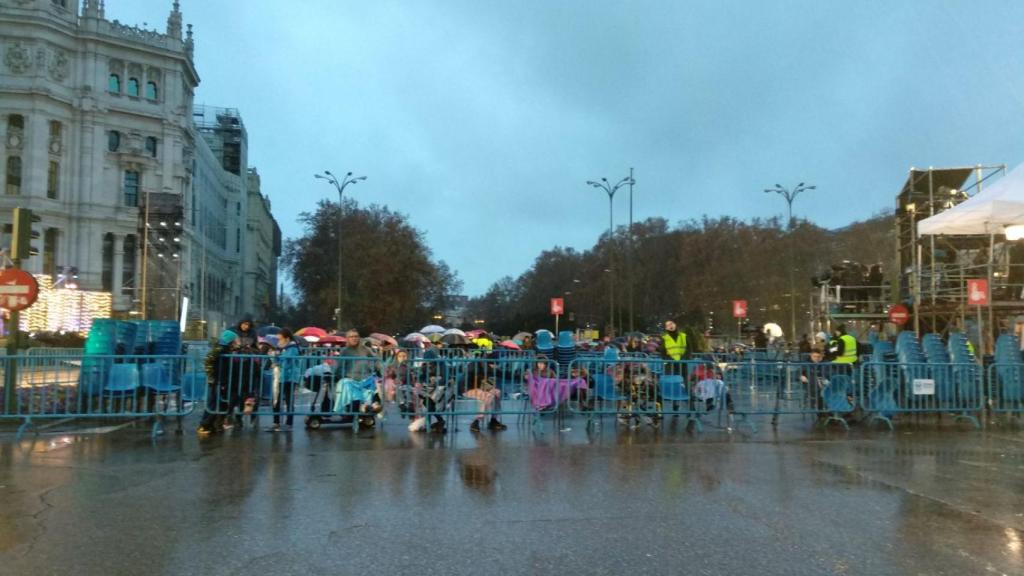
(691, 272)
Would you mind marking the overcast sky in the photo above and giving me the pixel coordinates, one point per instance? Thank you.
(482, 121)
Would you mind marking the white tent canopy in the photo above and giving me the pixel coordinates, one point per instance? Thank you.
(988, 212)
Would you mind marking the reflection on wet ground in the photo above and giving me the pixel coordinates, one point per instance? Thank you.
(939, 500)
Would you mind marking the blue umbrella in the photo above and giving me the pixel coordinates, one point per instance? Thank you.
(267, 330)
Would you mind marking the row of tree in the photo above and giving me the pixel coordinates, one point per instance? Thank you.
(690, 272)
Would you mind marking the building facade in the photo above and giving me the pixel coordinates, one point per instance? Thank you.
(141, 193)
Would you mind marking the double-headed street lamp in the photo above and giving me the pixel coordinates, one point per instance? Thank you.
(790, 195)
(611, 189)
(340, 187)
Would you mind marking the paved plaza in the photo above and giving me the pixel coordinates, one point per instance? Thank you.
(926, 499)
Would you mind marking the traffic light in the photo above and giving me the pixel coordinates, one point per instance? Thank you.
(22, 234)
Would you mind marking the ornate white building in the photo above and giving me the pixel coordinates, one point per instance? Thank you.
(100, 139)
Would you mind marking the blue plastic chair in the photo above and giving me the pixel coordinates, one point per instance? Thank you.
(122, 379)
(834, 395)
(156, 376)
(673, 388)
(193, 387)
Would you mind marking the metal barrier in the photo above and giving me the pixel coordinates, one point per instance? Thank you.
(94, 386)
(763, 388)
(439, 392)
(355, 391)
(41, 352)
(917, 387)
(1006, 388)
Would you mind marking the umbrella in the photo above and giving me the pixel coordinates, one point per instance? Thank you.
(308, 331)
(434, 337)
(454, 340)
(271, 339)
(268, 330)
(454, 331)
(522, 336)
(772, 329)
(332, 339)
(510, 345)
(475, 333)
(371, 341)
(416, 337)
(384, 339)
(432, 329)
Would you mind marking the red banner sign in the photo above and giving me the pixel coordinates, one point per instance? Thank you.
(977, 292)
(557, 306)
(18, 289)
(739, 308)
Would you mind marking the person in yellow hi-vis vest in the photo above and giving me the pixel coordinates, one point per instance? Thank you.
(843, 347)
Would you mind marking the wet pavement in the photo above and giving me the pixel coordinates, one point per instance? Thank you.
(922, 500)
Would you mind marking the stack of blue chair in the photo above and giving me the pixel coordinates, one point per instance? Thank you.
(958, 350)
(908, 348)
(947, 380)
(163, 339)
(99, 346)
(1009, 373)
(883, 352)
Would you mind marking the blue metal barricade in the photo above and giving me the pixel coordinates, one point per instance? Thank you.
(96, 386)
(919, 387)
(1006, 387)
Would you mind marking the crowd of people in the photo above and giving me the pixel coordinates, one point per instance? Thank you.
(352, 383)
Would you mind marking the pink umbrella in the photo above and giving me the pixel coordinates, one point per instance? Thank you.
(474, 333)
(510, 345)
(384, 338)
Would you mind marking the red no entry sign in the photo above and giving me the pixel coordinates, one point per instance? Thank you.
(899, 314)
(18, 289)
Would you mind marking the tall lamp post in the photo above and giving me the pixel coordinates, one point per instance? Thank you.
(790, 195)
(611, 189)
(340, 187)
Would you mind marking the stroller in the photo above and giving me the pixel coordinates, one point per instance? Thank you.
(352, 399)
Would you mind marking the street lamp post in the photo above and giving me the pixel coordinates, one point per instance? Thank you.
(611, 190)
(790, 196)
(340, 187)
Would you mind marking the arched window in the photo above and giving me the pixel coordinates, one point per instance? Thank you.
(13, 176)
(113, 140)
(151, 91)
(133, 86)
(151, 146)
(107, 275)
(114, 84)
(55, 130)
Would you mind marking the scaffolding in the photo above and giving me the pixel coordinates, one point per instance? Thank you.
(934, 269)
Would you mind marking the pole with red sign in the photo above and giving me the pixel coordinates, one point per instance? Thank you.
(18, 290)
(739, 312)
(977, 294)
(557, 309)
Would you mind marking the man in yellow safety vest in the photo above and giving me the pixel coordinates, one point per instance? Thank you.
(843, 347)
